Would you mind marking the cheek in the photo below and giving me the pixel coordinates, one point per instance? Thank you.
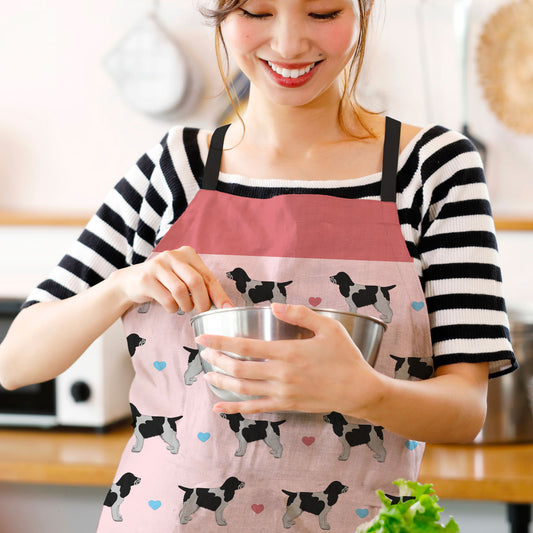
(240, 35)
(340, 40)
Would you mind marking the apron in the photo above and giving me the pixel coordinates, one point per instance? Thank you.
(186, 468)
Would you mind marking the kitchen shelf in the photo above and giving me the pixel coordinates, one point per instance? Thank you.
(21, 218)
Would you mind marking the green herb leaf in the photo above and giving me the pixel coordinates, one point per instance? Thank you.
(416, 512)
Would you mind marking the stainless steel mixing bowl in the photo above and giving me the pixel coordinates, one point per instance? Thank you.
(260, 323)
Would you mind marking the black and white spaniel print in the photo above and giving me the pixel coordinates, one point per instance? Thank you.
(144, 308)
(248, 431)
(146, 426)
(358, 296)
(213, 499)
(256, 292)
(134, 341)
(194, 365)
(118, 492)
(352, 435)
(316, 503)
(395, 500)
(413, 367)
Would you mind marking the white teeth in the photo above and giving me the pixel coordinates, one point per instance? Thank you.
(290, 73)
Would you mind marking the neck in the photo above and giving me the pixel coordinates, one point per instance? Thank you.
(294, 128)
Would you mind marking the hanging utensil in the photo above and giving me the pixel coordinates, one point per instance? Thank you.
(151, 70)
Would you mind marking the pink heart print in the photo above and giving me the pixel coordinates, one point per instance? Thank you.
(258, 508)
(308, 440)
(315, 301)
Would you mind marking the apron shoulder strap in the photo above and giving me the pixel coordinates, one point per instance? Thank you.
(391, 151)
(212, 166)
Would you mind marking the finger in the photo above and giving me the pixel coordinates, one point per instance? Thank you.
(299, 315)
(243, 387)
(255, 370)
(247, 407)
(158, 292)
(177, 289)
(253, 348)
(195, 288)
(216, 293)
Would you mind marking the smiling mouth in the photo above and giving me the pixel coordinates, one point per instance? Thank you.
(293, 73)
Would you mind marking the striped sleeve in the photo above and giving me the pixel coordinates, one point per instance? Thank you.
(125, 229)
(458, 256)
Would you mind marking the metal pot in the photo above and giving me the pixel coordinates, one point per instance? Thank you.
(510, 397)
(260, 323)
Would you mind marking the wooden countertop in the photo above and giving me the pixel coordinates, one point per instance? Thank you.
(471, 472)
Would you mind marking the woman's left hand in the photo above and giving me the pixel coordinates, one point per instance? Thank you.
(324, 373)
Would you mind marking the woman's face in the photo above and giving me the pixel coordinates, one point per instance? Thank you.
(293, 50)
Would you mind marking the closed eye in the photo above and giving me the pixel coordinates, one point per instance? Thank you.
(325, 16)
(248, 14)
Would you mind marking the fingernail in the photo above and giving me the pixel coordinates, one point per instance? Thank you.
(218, 409)
(227, 305)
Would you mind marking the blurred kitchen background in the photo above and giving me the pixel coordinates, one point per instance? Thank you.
(87, 87)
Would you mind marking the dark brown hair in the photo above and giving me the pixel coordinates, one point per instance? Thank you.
(348, 101)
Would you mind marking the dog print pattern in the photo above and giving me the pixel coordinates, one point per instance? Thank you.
(194, 365)
(118, 492)
(146, 426)
(352, 435)
(413, 367)
(212, 499)
(248, 431)
(358, 296)
(316, 503)
(134, 341)
(256, 292)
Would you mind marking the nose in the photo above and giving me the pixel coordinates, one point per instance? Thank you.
(290, 39)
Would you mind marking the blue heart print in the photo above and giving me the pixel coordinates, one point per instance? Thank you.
(411, 444)
(204, 437)
(155, 504)
(159, 365)
(417, 306)
(362, 513)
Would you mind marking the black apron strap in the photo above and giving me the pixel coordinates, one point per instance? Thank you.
(391, 151)
(212, 166)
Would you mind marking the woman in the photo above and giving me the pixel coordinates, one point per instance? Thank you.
(295, 195)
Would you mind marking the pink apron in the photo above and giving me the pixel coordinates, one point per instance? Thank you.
(187, 468)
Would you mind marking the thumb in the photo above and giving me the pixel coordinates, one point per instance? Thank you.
(217, 294)
(299, 315)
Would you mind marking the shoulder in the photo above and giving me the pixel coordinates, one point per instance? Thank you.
(187, 147)
(435, 150)
(432, 138)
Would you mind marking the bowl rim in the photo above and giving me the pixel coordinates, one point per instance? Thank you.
(265, 307)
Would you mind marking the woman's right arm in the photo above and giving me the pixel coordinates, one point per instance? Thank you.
(46, 338)
(106, 270)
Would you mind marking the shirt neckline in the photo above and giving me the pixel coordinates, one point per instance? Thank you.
(240, 179)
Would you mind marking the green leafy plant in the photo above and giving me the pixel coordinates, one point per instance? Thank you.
(416, 512)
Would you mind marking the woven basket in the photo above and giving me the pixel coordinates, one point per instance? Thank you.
(505, 64)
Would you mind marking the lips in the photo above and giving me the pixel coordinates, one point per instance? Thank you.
(291, 75)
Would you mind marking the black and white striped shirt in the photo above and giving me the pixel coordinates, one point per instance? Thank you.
(443, 209)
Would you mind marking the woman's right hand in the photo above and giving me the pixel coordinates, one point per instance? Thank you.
(176, 279)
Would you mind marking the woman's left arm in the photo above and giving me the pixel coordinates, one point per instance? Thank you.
(328, 373)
